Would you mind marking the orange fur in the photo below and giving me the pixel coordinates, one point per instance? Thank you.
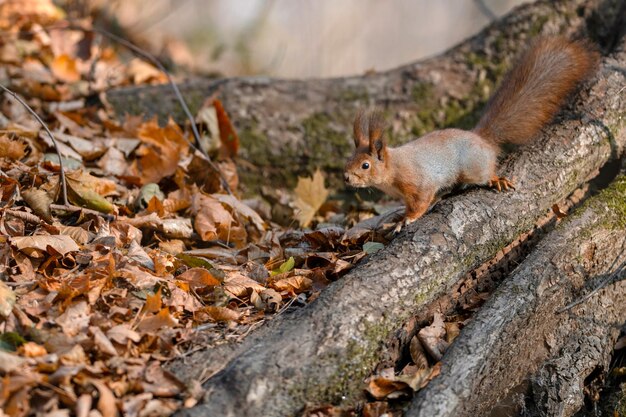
(533, 91)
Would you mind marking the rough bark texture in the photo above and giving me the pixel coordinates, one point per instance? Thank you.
(290, 127)
(519, 331)
(322, 352)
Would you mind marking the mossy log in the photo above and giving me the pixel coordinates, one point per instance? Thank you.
(288, 128)
(523, 333)
(322, 352)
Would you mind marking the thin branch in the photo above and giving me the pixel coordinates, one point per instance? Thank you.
(485, 10)
(606, 281)
(152, 59)
(54, 142)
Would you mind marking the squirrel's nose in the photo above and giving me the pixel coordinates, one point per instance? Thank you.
(346, 177)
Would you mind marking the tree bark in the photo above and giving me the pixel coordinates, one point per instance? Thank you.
(520, 334)
(288, 128)
(322, 352)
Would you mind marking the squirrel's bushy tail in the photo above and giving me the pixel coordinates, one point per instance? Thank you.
(532, 92)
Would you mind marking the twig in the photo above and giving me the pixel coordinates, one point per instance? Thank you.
(71, 208)
(54, 142)
(485, 10)
(152, 59)
(601, 285)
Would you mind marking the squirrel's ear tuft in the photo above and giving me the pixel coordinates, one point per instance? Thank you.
(360, 129)
(376, 129)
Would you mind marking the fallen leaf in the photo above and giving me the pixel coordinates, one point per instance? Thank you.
(11, 149)
(558, 212)
(242, 209)
(452, 331)
(85, 190)
(228, 136)
(417, 353)
(384, 388)
(123, 333)
(107, 404)
(160, 382)
(295, 284)
(64, 68)
(157, 321)
(153, 302)
(7, 299)
(9, 361)
(60, 243)
(142, 72)
(221, 314)
(310, 195)
(238, 285)
(32, 350)
(432, 337)
(198, 278)
(75, 319)
(212, 220)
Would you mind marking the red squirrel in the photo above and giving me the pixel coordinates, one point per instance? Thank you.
(528, 98)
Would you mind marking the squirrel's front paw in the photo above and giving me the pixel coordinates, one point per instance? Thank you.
(405, 222)
(500, 183)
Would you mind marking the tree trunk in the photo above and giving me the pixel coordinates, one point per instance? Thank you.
(520, 332)
(322, 352)
(288, 128)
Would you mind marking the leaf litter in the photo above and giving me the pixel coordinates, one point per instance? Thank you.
(162, 259)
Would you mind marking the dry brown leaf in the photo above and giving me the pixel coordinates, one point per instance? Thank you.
(452, 331)
(123, 333)
(558, 212)
(32, 350)
(221, 314)
(142, 72)
(382, 388)
(153, 302)
(158, 321)
(11, 149)
(160, 151)
(64, 68)
(7, 300)
(75, 319)
(198, 278)
(417, 353)
(107, 405)
(239, 285)
(375, 409)
(78, 234)
(39, 201)
(228, 136)
(29, 244)
(295, 284)
(212, 220)
(241, 208)
(160, 382)
(102, 342)
(432, 337)
(310, 195)
(9, 362)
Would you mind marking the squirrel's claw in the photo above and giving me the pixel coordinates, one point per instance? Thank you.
(500, 183)
(404, 222)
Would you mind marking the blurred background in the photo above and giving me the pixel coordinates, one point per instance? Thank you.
(295, 38)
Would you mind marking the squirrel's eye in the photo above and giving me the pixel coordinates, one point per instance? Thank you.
(365, 165)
